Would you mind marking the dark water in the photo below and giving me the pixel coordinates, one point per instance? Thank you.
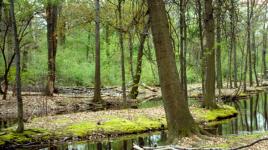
(154, 139)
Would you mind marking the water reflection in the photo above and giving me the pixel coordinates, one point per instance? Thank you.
(252, 117)
(158, 138)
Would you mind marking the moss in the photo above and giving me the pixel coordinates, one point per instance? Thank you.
(10, 136)
(81, 129)
(223, 112)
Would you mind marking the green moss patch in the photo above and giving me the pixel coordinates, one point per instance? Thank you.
(30, 135)
(206, 115)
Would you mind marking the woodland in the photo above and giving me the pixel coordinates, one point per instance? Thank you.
(133, 74)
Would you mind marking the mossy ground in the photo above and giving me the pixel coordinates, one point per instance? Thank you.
(119, 122)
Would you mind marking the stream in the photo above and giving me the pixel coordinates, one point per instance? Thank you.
(252, 118)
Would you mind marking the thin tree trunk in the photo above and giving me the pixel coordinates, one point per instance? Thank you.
(97, 88)
(183, 34)
(121, 42)
(209, 35)
(254, 57)
(264, 44)
(218, 48)
(134, 90)
(20, 128)
(233, 41)
(130, 44)
(179, 120)
(200, 27)
(249, 11)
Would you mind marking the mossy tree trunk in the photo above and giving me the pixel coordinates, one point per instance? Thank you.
(209, 47)
(179, 119)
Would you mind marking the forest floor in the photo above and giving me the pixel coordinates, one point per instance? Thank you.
(79, 99)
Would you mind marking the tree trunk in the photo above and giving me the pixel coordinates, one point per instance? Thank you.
(121, 42)
(20, 128)
(264, 44)
(134, 90)
(200, 27)
(233, 41)
(209, 35)
(183, 35)
(218, 48)
(179, 120)
(52, 46)
(97, 89)
(130, 46)
(61, 26)
(254, 57)
(249, 17)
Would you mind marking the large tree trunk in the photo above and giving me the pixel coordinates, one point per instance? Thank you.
(52, 46)
(20, 128)
(134, 90)
(218, 48)
(121, 42)
(97, 89)
(179, 119)
(209, 35)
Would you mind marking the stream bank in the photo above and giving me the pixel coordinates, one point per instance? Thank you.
(101, 124)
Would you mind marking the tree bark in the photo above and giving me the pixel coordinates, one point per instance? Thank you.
(134, 90)
(130, 47)
(97, 89)
(218, 48)
(52, 46)
(20, 128)
(183, 36)
(233, 41)
(179, 120)
(200, 27)
(121, 42)
(209, 35)
(264, 44)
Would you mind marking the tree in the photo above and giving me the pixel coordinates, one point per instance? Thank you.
(121, 43)
(218, 39)
(264, 43)
(97, 89)
(179, 120)
(233, 40)
(20, 128)
(136, 80)
(183, 46)
(52, 13)
(209, 38)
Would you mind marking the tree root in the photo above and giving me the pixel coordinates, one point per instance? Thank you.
(251, 144)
